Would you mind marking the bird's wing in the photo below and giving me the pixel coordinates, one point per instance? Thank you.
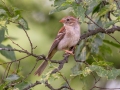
(58, 38)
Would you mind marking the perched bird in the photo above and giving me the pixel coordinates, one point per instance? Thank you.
(67, 37)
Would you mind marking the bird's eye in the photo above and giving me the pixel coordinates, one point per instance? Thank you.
(68, 19)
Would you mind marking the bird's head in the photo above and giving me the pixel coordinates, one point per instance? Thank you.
(69, 20)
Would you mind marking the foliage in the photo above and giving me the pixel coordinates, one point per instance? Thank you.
(90, 54)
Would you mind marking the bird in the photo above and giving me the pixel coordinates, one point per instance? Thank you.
(68, 36)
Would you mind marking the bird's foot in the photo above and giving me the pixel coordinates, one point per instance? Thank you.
(69, 52)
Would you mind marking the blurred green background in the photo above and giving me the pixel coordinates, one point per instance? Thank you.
(43, 30)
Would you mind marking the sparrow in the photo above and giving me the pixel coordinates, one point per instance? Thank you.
(67, 37)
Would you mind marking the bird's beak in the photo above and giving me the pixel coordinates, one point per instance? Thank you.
(62, 20)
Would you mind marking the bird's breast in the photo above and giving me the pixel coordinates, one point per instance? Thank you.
(70, 39)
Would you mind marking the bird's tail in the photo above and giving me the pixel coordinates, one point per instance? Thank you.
(44, 64)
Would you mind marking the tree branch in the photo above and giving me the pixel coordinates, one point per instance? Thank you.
(102, 28)
(99, 30)
(46, 84)
(61, 63)
(27, 37)
(107, 88)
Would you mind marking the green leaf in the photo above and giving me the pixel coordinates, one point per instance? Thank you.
(118, 19)
(101, 35)
(98, 57)
(22, 85)
(94, 48)
(95, 45)
(116, 13)
(108, 24)
(118, 4)
(2, 33)
(17, 11)
(91, 5)
(78, 1)
(10, 37)
(98, 41)
(45, 77)
(59, 9)
(112, 74)
(59, 2)
(104, 49)
(76, 70)
(83, 54)
(12, 77)
(79, 49)
(91, 27)
(98, 21)
(2, 86)
(96, 9)
(109, 74)
(60, 5)
(112, 43)
(102, 63)
(104, 10)
(99, 70)
(79, 11)
(2, 12)
(8, 54)
(65, 84)
(14, 18)
(23, 24)
(53, 77)
(86, 71)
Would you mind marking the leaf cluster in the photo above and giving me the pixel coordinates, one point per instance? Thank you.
(10, 14)
(90, 53)
(94, 49)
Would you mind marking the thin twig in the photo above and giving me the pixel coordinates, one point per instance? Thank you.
(8, 69)
(66, 81)
(28, 53)
(98, 30)
(102, 29)
(15, 43)
(29, 72)
(46, 84)
(5, 72)
(27, 37)
(107, 88)
(15, 60)
(96, 81)
(7, 8)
